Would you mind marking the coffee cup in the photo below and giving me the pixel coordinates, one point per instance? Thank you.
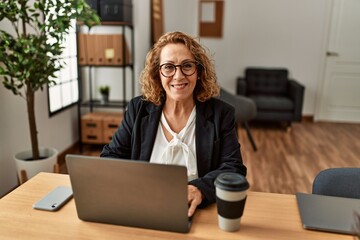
(230, 200)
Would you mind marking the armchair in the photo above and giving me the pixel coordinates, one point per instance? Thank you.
(277, 97)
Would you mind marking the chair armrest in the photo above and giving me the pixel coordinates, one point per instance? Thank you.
(241, 86)
(296, 93)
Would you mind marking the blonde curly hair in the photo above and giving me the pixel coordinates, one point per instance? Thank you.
(151, 87)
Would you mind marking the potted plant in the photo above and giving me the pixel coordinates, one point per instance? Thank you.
(30, 58)
(104, 91)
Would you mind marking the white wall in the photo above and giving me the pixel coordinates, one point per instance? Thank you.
(59, 131)
(264, 33)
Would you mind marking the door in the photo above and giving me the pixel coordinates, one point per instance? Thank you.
(340, 92)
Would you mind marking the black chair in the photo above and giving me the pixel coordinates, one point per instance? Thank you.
(245, 110)
(338, 182)
(277, 97)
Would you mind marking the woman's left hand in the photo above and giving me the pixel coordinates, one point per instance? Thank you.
(194, 198)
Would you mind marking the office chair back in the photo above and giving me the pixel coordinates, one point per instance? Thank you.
(245, 110)
(338, 182)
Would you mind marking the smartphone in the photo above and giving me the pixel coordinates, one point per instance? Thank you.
(55, 199)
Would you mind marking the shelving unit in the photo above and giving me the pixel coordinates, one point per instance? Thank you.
(91, 103)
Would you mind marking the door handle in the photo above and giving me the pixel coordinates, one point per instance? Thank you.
(332, 54)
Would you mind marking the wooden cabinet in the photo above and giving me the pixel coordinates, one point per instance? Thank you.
(99, 127)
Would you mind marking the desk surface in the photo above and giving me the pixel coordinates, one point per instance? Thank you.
(266, 216)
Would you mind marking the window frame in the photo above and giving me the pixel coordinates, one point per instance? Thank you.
(73, 55)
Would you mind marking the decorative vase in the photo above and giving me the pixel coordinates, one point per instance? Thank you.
(26, 168)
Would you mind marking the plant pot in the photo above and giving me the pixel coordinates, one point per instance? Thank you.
(104, 98)
(26, 169)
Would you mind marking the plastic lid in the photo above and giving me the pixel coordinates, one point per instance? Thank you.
(232, 182)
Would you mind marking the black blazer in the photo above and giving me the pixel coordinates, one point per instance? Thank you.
(217, 147)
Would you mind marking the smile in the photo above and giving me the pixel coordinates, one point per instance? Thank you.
(179, 86)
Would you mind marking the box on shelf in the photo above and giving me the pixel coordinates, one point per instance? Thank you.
(103, 49)
(112, 10)
(82, 57)
(116, 11)
(110, 50)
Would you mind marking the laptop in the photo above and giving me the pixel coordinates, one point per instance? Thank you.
(327, 213)
(130, 193)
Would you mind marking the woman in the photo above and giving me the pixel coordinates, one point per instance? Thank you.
(177, 120)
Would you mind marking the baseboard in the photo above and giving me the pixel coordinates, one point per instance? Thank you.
(307, 118)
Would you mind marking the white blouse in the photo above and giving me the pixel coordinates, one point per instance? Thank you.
(181, 150)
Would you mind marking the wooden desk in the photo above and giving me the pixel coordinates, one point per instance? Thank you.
(266, 216)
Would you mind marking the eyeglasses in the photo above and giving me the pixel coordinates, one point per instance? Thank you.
(187, 68)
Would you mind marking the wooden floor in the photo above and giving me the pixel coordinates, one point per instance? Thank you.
(288, 161)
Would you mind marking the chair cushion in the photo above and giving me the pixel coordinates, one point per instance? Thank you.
(266, 81)
(272, 103)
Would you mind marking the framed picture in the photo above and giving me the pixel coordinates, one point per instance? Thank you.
(211, 18)
(157, 23)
